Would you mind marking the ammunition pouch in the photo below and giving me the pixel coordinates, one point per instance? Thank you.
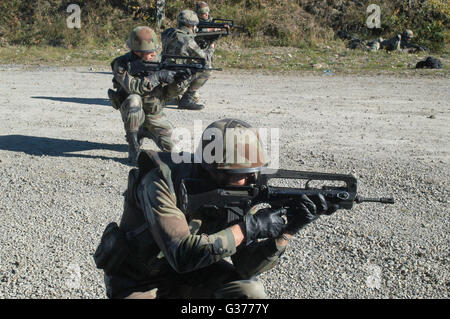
(112, 251)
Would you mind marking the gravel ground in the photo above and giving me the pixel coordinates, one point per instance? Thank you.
(63, 172)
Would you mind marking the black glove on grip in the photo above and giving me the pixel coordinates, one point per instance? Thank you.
(266, 223)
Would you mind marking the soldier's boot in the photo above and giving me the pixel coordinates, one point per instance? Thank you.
(187, 102)
(133, 146)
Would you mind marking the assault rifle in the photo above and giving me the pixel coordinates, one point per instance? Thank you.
(221, 28)
(237, 200)
(168, 62)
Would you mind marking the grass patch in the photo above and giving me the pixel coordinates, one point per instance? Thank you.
(334, 57)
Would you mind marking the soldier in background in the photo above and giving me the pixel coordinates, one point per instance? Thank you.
(159, 246)
(202, 10)
(141, 99)
(203, 13)
(180, 41)
(406, 44)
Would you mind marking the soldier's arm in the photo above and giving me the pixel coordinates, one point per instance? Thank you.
(132, 84)
(184, 252)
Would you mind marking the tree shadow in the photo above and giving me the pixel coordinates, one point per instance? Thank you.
(80, 100)
(34, 145)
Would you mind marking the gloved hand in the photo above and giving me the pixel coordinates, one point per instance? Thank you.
(265, 223)
(165, 76)
(183, 75)
(306, 210)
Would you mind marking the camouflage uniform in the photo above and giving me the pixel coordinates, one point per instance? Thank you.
(181, 41)
(392, 44)
(141, 104)
(182, 255)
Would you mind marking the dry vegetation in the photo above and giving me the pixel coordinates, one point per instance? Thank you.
(37, 33)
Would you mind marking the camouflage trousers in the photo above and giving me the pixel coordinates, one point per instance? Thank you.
(137, 115)
(198, 80)
(217, 281)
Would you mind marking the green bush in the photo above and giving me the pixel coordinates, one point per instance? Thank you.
(297, 23)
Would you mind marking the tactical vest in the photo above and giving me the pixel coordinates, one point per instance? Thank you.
(133, 221)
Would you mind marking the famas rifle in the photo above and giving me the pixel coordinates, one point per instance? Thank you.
(237, 200)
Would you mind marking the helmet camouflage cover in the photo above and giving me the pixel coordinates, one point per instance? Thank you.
(187, 17)
(408, 33)
(201, 7)
(236, 148)
(143, 39)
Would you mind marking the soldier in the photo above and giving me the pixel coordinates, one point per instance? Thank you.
(202, 10)
(406, 44)
(158, 246)
(141, 99)
(392, 44)
(181, 41)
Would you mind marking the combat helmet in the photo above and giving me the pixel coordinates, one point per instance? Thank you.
(201, 7)
(232, 146)
(187, 18)
(408, 34)
(143, 39)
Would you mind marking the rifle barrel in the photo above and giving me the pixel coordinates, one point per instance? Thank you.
(383, 200)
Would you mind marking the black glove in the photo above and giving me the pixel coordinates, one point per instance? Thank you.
(265, 223)
(165, 76)
(183, 75)
(306, 210)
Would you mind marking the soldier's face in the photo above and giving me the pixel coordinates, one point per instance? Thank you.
(203, 16)
(146, 56)
(233, 179)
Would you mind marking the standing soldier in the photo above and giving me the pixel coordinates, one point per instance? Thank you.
(180, 41)
(141, 99)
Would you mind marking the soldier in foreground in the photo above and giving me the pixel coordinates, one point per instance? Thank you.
(180, 41)
(158, 246)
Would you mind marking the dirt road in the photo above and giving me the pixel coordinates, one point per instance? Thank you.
(63, 172)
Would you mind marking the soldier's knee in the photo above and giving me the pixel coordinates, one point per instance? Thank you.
(242, 289)
(133, 101)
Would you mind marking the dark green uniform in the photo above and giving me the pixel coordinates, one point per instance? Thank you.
(142, 102)
(182, 256)
(181, 41)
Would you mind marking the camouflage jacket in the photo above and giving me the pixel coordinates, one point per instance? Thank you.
(162, 232)
(182, 42)
(154, 96)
